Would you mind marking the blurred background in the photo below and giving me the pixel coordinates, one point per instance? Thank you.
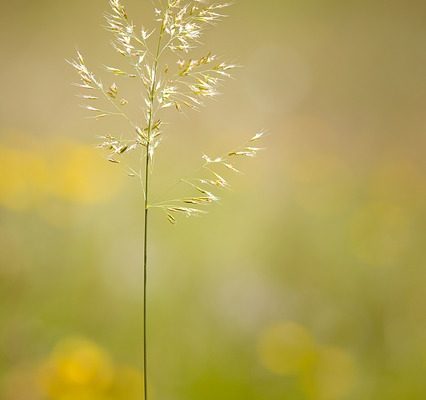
(306, 283)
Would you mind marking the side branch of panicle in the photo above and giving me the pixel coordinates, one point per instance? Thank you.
(207, 187)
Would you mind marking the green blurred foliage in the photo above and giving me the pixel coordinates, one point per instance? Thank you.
(307, 283)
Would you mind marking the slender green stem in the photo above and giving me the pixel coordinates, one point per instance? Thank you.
(146, 206)
(145, 258)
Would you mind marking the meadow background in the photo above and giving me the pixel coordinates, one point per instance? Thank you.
(306, 283)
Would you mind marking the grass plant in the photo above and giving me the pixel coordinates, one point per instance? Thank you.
(182, 85)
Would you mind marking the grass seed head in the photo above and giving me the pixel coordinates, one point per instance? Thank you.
(185, 84)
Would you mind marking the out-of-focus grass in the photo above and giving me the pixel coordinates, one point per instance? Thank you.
(306, 283)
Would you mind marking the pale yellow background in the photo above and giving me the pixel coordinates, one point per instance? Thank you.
(306, 283)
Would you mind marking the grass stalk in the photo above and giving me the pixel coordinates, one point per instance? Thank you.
(145, 279)
(146, 209)
(184, 84)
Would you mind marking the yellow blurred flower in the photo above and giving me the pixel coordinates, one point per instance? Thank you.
(287, 349)
(324, 372)
(333, 376)
(80, 370)
(77, 369)
(81, 175)
(31, 177)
